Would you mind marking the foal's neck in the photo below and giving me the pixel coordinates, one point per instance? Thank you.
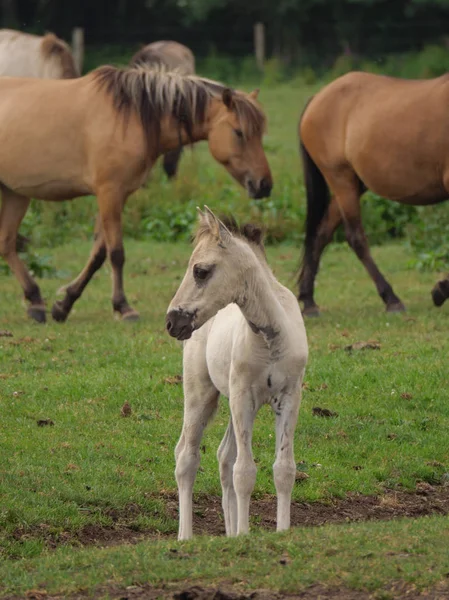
(262, 309)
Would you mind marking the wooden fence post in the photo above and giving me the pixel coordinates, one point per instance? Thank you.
(259, 44)
(78, 47)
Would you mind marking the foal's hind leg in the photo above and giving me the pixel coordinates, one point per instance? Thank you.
(13, 209)
(347, 195)
(62, 308)
(227, 454)
(311, 261)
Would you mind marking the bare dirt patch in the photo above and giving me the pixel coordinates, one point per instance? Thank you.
(208, 516)
(227, 592)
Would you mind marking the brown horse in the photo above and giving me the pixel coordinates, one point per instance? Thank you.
(362, 132)
(173, 57)
(25, 55)
(101, 134)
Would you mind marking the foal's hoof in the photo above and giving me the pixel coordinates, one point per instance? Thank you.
(439, 293)
(311, 311)
(131, 315)
(58, 313)
(37, 313)
(396, 307)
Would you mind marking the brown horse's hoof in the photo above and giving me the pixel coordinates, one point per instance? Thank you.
(311, 311)
(396, 307)
(131, 315)
(58, 313)
(439, 296)
(37, 313)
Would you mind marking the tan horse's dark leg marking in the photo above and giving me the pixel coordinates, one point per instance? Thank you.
(312, 258)
(13, 209)
(349, 203)
(111, 207)
(62, 308)
(170, 162)
(440, 291)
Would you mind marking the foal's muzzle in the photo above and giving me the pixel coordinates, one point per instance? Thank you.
(262, 189)
(180, 324)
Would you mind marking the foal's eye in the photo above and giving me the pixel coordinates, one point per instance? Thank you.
(239, 133)
(200, 273)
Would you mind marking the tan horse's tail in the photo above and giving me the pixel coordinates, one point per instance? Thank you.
(318, 199)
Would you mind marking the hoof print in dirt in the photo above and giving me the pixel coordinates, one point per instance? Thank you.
(45, 423)
(323, 412)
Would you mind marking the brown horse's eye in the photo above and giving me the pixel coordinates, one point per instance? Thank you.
(239, 133)
(199, 273)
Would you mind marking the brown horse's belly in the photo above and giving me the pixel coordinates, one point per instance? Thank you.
(54, 190)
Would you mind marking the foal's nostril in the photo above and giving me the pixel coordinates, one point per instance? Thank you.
(265, 185)
(169, 325)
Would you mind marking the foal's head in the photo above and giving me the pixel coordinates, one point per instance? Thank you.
(215, 275)
(235, 141)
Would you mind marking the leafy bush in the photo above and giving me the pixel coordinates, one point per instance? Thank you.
(429, 238)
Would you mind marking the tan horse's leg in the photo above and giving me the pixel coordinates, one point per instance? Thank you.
(62, 308)
(111, 205)
(13, 209)
(347, 196)
(170, 162)
(312, 259)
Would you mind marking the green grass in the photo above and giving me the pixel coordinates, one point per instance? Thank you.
(392, 403)
(378, 557)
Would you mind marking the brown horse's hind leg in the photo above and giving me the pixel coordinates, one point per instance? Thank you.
(62, 308)
(312, 259)
(170, 162)
(349, 205)
(12, 212)
(111, 207)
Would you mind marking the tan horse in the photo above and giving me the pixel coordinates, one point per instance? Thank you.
(101, 134)
(25, 55)
(173, 57)
(361, 132)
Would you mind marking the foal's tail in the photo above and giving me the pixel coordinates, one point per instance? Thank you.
(318, 199)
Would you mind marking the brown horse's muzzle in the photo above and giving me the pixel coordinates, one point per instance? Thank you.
(260, 190)
(179, 324)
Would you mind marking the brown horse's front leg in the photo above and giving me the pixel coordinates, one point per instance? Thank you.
(12, 212)
(62, 308)
(111, 206)
(440, 292)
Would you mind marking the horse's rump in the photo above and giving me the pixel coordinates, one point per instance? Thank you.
(168, 54)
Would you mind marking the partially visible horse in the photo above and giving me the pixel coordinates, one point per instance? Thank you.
(246, 340)
(26, 55)
(387, 135)
(101, 134)
(171, 56)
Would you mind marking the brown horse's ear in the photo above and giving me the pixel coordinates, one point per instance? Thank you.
(253, 95)
(227, 97)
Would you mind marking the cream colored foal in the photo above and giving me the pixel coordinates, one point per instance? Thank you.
(245, 338)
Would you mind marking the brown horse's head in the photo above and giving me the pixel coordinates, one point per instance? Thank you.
(235, 141)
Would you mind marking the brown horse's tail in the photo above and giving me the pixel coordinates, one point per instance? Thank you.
(318, 199)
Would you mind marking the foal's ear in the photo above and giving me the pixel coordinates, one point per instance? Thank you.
(227, 98)
(217, 227)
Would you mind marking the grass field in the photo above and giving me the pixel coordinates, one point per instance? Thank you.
(93, 470)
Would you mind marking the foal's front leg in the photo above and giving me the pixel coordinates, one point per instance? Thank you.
(227, 454)
(243, 412)
(284, 468)
(199, 406)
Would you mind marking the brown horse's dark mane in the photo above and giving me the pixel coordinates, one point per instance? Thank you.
(155, 93)
(53, 46)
